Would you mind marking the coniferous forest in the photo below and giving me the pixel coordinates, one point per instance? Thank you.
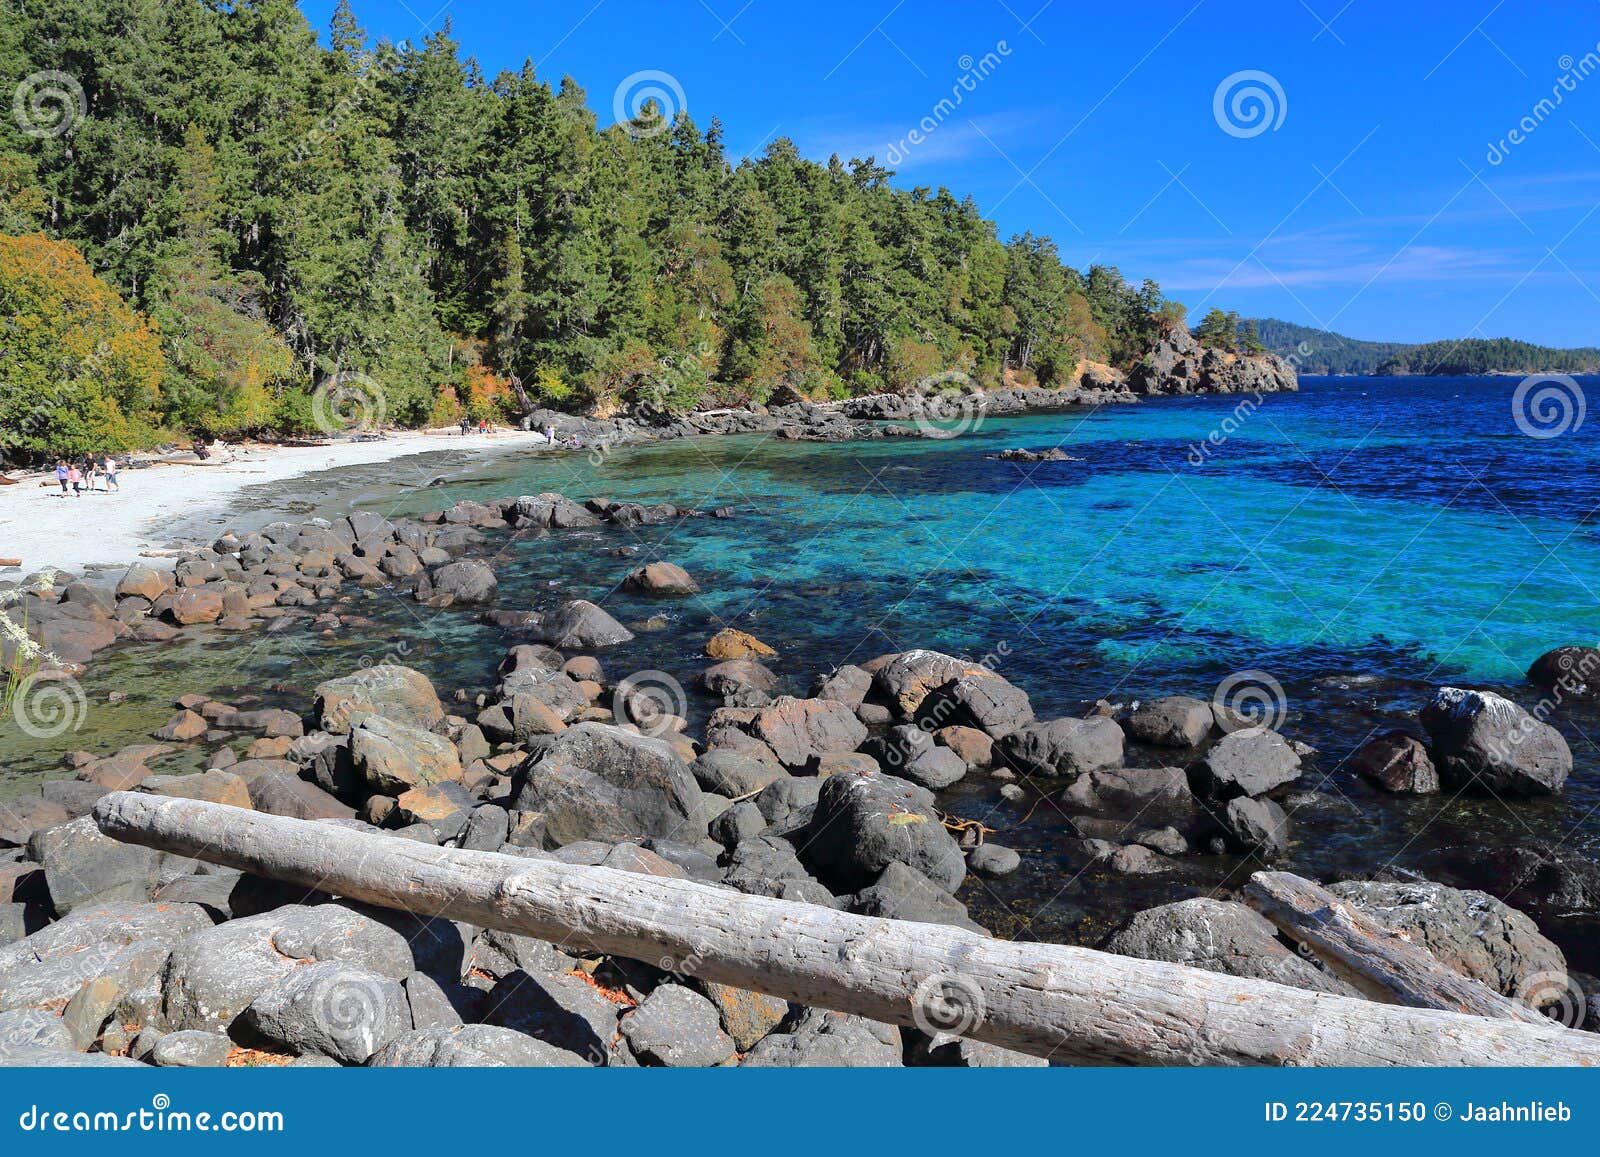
(241, 211)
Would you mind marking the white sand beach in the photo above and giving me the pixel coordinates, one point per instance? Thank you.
(43, 528)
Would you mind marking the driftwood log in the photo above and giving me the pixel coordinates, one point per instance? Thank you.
(1072, 1004)
(1379, 963)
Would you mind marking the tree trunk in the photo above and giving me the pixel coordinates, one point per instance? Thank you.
(1381, 964)
(1071, 1004)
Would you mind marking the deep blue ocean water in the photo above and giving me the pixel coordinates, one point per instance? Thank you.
(1358, 543)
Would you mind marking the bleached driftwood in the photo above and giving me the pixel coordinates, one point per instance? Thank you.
(1381, 964)
(1073, 1004)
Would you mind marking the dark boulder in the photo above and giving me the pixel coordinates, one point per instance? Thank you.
(595, 782)
(580, 625)
(1253, 761)
(863, 823)
(465, 581)
(1257, 825)
(1396, 762)
(1171, 721)
(1485, 741)
(1064, 746)
(1568, 673)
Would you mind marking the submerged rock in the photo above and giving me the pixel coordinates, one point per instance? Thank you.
(661, 578)
(580, 625)
(1568, 673)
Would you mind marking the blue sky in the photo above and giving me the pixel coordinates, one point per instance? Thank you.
(1384, 197)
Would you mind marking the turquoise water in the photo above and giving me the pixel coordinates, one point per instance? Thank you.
(1359, 542)
(1407, 518)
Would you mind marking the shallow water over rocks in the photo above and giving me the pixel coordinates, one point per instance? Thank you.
(1359, 543)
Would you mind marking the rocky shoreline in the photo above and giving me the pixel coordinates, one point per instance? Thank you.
(111, 953)
(1177, 365)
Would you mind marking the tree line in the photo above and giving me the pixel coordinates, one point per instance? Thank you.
(1319, 351)
(259, 214)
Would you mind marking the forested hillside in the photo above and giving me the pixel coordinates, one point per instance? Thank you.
(1320, 351)
(276, 215)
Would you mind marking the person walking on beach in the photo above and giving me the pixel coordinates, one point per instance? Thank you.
(62, 474)
(466, 426)
(111, 475)
(76, 477)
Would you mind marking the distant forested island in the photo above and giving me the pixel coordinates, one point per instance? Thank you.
(1320, 351)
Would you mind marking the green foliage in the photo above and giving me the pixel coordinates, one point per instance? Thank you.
(82, 370)
(1318, 351)
(286, 212)
(1218, 328)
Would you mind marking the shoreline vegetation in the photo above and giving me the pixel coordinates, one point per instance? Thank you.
(1323, 352)
(366, 235)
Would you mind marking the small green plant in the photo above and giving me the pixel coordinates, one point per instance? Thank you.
(20, 656)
